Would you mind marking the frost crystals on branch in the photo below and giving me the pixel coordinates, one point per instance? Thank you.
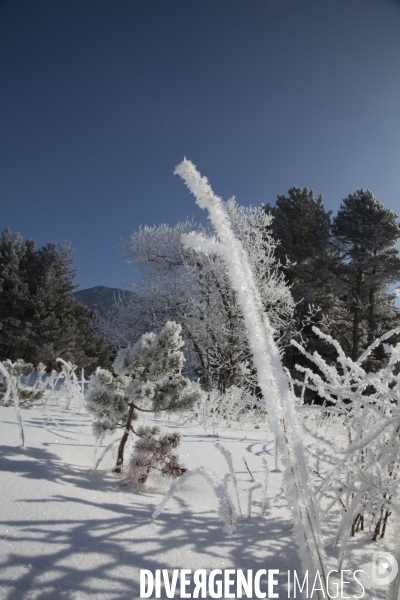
(271, 376)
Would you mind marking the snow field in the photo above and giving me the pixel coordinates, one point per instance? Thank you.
(66, 532)
(69, 533)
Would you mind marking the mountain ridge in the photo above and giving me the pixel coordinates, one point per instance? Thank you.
(101, 298)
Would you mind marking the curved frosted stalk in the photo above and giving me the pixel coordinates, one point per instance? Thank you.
(271, 376)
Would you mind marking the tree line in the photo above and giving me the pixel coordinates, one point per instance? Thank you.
(311, 269)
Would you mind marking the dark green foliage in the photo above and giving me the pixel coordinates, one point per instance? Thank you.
(303, 229)
(343, 269)
(365, 233)
(40, 320)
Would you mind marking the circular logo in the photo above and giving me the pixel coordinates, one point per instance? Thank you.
(384, 568)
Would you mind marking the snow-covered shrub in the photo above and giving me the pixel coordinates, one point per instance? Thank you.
(147, 378)
(14, 383)
(229, 508)
(60, 387)
(69, 388)
(356, 450)
(22, 384)
(14, 388)
(154, 451)
(235, 407)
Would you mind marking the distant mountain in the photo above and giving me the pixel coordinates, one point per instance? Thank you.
(101, 298)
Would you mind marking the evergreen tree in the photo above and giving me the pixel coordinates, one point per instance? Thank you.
(15, 300)
(40, 318)
(365, 234)
(61, 325)
(302, 229)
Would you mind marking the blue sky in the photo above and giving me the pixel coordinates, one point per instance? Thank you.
(100, 99)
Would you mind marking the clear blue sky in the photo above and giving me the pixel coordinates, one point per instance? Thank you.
(100, 99)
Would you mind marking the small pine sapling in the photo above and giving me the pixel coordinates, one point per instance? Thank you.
(107, 402)
(147, 379)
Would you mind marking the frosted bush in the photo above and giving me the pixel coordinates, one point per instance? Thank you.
(233, 408)
(14, 388)
(15, 383)
(226, 507)
(228, 510)
(22, 384)
(68, 387)
(356, 449)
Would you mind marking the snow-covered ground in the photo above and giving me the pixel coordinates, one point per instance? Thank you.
(70, 533)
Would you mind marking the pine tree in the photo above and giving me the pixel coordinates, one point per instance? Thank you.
(147, 379)
(61, 325)
(154, 451)
(365, 234)
(302, 229)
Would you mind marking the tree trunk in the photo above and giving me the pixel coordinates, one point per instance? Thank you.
(356, 333)
(124, 439)
(371, 316)
(371, 309)
(357, 318)
(371, 325)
